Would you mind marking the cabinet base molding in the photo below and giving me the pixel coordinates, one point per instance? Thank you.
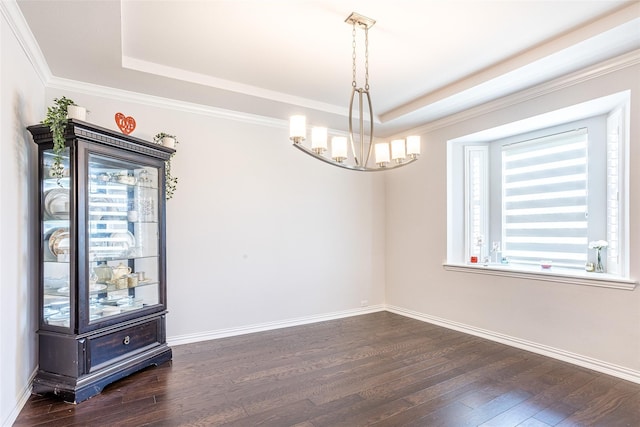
(74, 390)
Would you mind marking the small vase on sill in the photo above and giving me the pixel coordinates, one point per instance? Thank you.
(599, 266)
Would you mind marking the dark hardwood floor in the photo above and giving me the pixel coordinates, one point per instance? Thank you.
(378, 369)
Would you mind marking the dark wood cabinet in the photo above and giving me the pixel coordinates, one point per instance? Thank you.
(102, 273)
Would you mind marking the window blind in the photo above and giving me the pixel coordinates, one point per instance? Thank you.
(544, 199)
(477, 200)
(614, 158)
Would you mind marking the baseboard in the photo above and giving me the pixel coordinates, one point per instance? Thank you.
(230, 332)
(210, 335)
(576, 359)
(556, 353)
(20, 402)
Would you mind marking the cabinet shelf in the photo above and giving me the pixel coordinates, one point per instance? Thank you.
(110, 287)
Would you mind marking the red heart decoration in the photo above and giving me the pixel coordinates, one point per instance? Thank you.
(126, 123)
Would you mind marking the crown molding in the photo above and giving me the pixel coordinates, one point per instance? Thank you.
(13, 15)
(619, 25)
(615, 64)
(231, 86)
(11, 12)
(598, 70)
(164, 103)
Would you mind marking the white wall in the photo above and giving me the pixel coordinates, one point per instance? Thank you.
(21, 103)
(258, 232)
(595, 325)
(261, 235)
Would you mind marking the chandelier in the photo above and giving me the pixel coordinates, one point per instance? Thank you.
(355, 151)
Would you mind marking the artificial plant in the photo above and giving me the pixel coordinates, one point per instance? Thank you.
(56, 119)
(171, 182)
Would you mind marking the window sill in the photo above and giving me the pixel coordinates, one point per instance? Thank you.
(568, 276)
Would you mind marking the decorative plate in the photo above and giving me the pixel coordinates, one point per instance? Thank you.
(56, 282)
(98, 287)
(59, 241)
(56, 203)
(93, 289)
(123, 239)
(48, 311)
(99, 207)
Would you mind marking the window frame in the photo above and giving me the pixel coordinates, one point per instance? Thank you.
(457, 242)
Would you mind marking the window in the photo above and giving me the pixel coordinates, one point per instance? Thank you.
(476, 159)
(544, 200)
(541, 193)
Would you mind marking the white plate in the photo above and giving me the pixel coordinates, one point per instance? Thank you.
(97, 287)
(123, 239)
(93, 288)
(97, 206)
(59, 320)
(55, 301)
(48, 311)
(56, 282)
(56, 203)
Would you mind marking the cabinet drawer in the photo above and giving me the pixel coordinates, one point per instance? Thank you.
(124, 342)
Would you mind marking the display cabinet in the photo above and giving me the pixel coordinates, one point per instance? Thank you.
(102, 274)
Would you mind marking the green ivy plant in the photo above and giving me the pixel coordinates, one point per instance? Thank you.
(56, 119)
(171, 182)
(158, 138)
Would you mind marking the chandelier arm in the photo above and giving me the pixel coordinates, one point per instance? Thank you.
(361, 125)
(353, 148)
(370, 128)
(360, 158)
(347, 166)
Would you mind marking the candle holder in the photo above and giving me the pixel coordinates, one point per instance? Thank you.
(599, 266)
(599, 246)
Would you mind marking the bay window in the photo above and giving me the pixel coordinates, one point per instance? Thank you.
(533, 200)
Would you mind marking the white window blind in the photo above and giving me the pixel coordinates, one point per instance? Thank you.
(476, 189)
(544, 200)
(614, 127)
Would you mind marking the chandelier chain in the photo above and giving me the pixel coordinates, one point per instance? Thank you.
(356, 149)
(366, 58)
(353, 55)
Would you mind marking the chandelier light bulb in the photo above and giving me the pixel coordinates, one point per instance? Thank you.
(339, 148)
(297, 128)
(356, 151)
(413, 146)
(398, 152)
(382, 153)
(319, 139)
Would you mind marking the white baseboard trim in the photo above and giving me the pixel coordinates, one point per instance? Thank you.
(556, 353)
(20, 401)
(241, 330)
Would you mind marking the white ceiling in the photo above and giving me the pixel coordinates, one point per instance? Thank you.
(275, 58)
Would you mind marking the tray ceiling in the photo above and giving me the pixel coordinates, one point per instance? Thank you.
(428, 59)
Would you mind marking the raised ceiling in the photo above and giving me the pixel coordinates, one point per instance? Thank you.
(428, 59)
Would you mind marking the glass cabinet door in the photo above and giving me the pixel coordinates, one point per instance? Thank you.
(56, 243)
(122, 236)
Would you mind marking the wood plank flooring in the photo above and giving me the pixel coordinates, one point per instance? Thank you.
(378, 369)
